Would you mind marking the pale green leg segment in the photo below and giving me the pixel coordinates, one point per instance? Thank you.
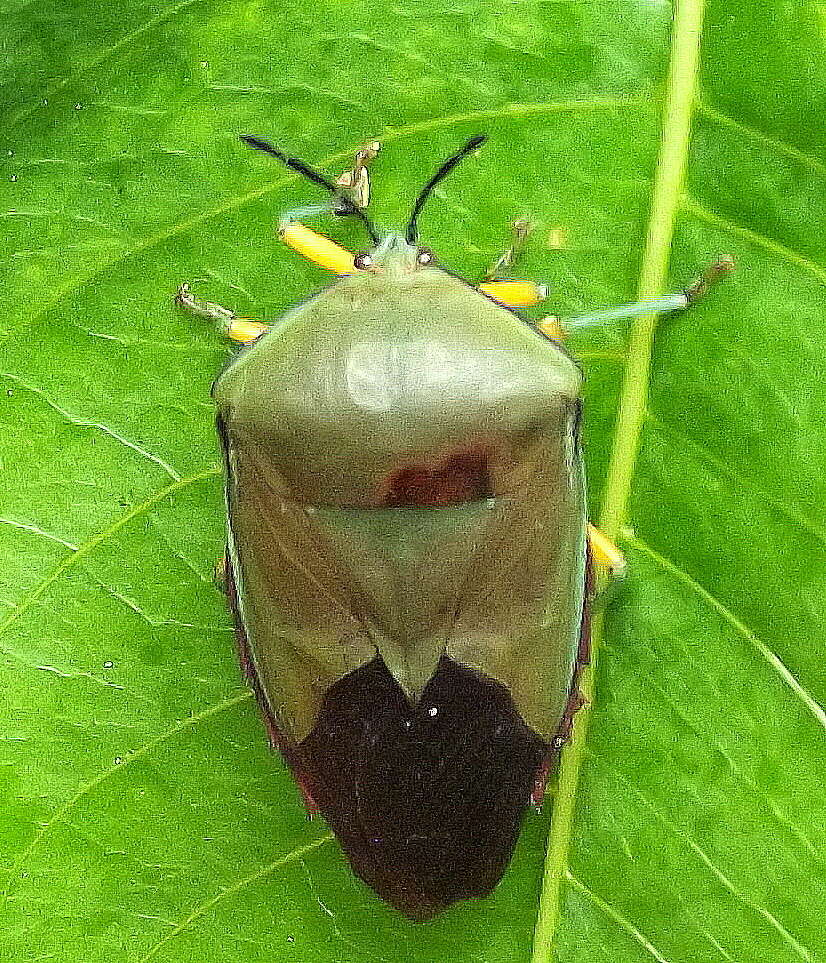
(637, 309)
(672, 302)
(310, 210)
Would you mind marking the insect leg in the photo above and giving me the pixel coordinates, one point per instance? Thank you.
(513, 294)
(555, 327)
(356, 180)
(242, 330)
(520, 229)
(317, 248)
(605, 553)
(309, 210)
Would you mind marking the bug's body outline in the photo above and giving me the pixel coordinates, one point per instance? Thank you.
(553, 431)
(379, 693)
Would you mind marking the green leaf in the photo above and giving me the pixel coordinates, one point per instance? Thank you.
(144, 817)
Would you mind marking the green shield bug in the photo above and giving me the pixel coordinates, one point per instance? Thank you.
(408, 558)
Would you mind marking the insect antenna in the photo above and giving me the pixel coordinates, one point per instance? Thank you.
(301, 168)
(412, 227)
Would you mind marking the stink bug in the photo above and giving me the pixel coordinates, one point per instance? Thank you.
(408, 558)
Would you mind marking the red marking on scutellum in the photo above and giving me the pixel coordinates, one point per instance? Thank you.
(460, 477)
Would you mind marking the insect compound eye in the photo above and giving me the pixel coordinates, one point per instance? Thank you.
(424, 256)
(363, 261)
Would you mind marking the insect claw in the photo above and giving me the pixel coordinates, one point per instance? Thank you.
(715, 272)
(520, 229)
(356, 180)
(185, 299)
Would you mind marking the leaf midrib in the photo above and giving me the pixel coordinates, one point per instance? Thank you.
(681, 89)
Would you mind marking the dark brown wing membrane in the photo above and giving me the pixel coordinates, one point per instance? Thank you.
(427, 805)
(426, 800)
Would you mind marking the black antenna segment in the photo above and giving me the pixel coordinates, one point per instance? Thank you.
(412, 226)
(349, 207)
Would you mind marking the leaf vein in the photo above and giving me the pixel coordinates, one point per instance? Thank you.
(36, 530)
(124, 41)
(681, 89)
(728, 616)
(711, 866)
(740, 481)
(724, 120)
(129, 757)
(704, 733)
(692, 206)
(615, 916)
(201, 908)
(86, 423)
(63, 566)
